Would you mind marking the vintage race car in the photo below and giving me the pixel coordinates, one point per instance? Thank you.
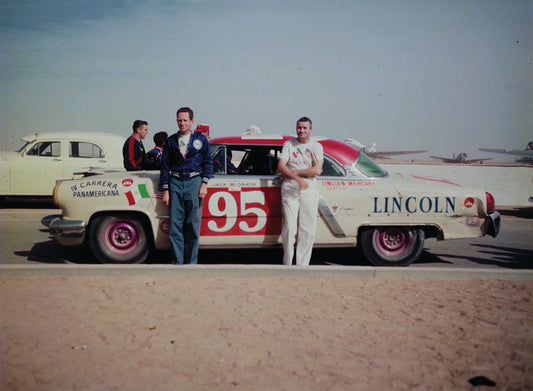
(47, 157)
(389, 216)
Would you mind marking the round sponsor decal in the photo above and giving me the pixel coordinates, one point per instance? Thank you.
(165, 226)
(127, 182)
(197, 144)
(469, 202)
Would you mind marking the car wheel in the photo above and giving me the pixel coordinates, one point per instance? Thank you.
(392, 246)
(118, 239)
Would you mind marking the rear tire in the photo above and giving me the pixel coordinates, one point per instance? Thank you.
(392, 246)
(118, 239)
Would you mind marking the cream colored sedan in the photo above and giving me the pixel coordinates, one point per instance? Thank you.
(122, 218)
(47, 157)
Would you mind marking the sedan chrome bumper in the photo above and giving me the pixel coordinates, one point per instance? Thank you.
(65, 232)
(493, 224)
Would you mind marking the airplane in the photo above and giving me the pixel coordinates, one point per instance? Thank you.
(459, 158)
(526, 154)
(373, 152)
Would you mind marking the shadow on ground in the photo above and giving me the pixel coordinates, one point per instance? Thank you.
(50, 252)
(523, 213)
(505, 257)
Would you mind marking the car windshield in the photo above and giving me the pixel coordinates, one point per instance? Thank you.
(368, 168)
(23, 146)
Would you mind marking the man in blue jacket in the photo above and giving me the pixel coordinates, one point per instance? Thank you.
(186, 167)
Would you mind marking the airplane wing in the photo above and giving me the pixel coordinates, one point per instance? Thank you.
(517, 152)
(445, 159)
(386, 154)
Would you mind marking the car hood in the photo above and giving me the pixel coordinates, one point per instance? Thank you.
(8, 155)
(406, 183)
(425, 179)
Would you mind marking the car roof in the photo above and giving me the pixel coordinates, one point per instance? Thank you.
(344, 153)
(93, 136)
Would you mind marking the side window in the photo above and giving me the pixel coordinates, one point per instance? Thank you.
(246, 160)
(219, 162)
(80, 149)
(260, 161)
(46, 148)
(331, 168)
(223, 161)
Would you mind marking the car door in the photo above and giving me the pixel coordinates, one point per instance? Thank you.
(84, 155)
(241, 208)
(37, 168)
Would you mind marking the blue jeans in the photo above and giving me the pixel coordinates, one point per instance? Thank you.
(185, 217)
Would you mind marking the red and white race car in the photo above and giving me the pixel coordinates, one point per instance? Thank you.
(389, 216)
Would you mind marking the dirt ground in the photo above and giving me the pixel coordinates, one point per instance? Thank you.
(264, 333)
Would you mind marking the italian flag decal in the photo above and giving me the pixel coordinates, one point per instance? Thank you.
(137, 193)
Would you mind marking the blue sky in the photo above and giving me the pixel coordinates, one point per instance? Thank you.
(446, 76)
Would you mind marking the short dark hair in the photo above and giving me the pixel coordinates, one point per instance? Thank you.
(305, 119)
(185, 110)
(160, 138)
(138, 123)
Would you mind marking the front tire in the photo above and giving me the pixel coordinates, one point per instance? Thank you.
(392, 246)
(118, 239)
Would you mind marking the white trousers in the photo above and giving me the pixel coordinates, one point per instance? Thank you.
(300, 210)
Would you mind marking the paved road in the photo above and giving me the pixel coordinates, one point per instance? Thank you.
(24, 241)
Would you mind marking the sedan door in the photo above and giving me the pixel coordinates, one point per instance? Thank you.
(241, 209)
(36, 169)
(84, 155)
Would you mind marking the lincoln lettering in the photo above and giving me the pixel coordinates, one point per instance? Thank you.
(414, 204)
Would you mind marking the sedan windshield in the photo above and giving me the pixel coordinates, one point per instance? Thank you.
(368, 168)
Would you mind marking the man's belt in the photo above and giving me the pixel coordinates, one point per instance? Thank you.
(183, 176)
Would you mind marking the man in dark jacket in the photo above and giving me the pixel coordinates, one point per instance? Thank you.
(152, 160)
(186, 168)
(133, 149)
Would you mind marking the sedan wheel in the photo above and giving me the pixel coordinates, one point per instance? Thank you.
(118, 239)
(392, 246)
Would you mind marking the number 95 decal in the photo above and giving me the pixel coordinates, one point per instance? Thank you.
(250, 211)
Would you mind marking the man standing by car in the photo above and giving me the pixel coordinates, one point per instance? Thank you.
(300, 163)
(186, 168)
(133, 149)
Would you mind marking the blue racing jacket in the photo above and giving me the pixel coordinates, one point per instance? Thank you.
(197, 162)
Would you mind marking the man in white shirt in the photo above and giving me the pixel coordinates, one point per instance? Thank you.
(300, 163)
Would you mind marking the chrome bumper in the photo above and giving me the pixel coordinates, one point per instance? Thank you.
(65, 232)
(493, 222)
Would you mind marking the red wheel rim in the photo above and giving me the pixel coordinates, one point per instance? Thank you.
(393, 242)
(120, 237)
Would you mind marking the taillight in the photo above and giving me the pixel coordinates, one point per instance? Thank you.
(490, 203)
(55, 193)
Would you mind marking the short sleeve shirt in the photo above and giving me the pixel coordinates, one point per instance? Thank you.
(301, 156)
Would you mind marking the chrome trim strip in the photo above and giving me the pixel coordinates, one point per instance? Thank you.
(330, 220)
